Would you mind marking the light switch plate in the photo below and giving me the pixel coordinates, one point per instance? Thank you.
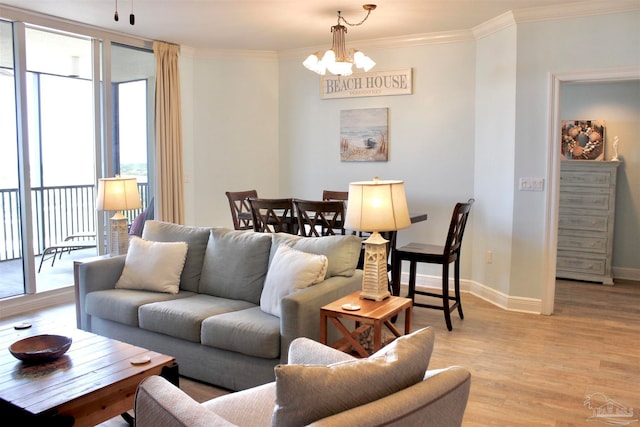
(531, 184)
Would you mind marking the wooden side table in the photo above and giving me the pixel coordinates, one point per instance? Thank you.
(371, 315)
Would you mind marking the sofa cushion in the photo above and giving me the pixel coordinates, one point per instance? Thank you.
(251, 331)
(196, 238)
(153, 266)
(346, 385)
(235, 264)
(342, 252)
(182, 318)
(121, 305)
(290, 270)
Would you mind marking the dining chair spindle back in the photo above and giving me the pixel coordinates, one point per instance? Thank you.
(273, 215)
(435, 254)
(240, 209)
(320, 218)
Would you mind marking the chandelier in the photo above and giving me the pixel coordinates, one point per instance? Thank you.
(336, 60)
(132, 18)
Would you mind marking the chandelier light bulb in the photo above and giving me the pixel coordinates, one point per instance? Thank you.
(335, 60)
(340, 68)
(363, 61)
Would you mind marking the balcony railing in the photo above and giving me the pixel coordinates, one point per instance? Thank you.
(58, 212)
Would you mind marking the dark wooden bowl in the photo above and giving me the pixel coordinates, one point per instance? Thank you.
(40, 348)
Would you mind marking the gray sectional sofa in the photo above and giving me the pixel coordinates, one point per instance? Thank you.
(215, 325)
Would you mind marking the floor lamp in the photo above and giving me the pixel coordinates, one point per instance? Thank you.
(376, 206)
(118, 194)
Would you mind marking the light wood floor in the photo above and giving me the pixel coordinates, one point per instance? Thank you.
(529, 369)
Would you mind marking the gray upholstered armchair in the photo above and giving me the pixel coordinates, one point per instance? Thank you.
(324, 387)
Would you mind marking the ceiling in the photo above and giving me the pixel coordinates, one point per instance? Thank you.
(277, 25)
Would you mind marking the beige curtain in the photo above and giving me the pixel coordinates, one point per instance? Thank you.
(170, 190)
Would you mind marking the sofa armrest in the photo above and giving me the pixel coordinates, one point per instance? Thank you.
(300, 315)
(160, 403)
(304, 351)
(95, 275)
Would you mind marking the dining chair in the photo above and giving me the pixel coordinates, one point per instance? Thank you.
(434, 254)
(329, 195)
(273, 215)
(320, 218)
(240, 209)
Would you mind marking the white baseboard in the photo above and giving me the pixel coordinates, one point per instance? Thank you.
(25, 303)
(521, 304)
(626, 273)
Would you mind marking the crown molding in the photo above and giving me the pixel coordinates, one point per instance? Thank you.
(499, 23)
(576, 10)
(410, 40)
(190, 52)
(494, 25)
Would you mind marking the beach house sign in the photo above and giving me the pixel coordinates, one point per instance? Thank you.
(380, 83)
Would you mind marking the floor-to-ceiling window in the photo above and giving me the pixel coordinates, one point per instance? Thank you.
(11, 271)
(58, 134)
(133, 99)
(61, 149)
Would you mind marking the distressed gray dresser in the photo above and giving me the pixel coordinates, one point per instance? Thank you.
(585, 224)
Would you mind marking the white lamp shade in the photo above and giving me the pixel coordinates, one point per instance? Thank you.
(118, 194)
(377, 206)
(311, 63)
(363, 61)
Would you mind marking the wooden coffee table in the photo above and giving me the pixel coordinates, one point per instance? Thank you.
(370, 315)
(93, 382)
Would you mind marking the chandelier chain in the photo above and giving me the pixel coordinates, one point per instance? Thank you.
(342, 18)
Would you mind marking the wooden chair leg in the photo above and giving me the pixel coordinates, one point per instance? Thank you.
(412, 281)
(457, 287)
(445, 296)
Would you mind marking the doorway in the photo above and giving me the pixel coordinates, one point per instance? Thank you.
(553, 172)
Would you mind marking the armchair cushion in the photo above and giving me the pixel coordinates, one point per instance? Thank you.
(349, 384)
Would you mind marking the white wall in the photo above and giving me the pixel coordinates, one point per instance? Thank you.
(494, 160)
(476, 122)
(232, 108)
(562, 45)
(430, 135)
(618, 103)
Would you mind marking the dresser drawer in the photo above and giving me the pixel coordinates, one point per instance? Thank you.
(575, 240)
(584, 201)
(600, 179)
(577, 221)
(567, 261)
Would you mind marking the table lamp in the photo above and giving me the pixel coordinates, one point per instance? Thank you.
(118, 194)
(375, 206)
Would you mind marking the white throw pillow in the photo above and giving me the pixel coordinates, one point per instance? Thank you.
(153, 266)
(290, 270)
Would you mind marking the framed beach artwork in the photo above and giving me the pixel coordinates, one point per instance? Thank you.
(583, 139)
(364, 135)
